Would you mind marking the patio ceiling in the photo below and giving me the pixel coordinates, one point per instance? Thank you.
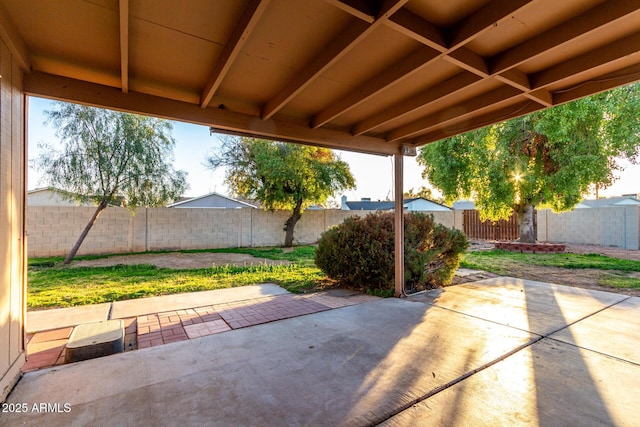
(372, 76)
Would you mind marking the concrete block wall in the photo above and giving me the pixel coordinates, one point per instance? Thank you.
(609, 226)
(197, 228)
(54, 229)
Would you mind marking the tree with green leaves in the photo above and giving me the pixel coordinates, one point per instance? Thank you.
(280, 175)
(548, 159)
(110, 157)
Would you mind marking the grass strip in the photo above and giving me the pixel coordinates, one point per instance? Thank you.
(498, 259)
(52, 285)
(611, 272)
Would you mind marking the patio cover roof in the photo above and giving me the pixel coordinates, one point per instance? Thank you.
(373, 76)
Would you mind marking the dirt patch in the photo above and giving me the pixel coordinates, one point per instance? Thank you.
(587, 278)
(180, 261)
(581, 278)
(630, 254)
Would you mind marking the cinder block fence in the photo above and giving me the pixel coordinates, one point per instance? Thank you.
(608, 226)
(52, 230)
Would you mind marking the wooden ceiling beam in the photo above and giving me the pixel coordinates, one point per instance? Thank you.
(595, 58)
(329, 55)
(515, 78)
(483, 19)
(532, 87)
(460, 111)
(251, 14)
(608, 81)
(440, 91)
(71, 90)
(604, 14)
(468, 60)
(424, 32)
(14, 41)
(413, 63)
(520, 80)
(388, 8)
(361, 9)
(535, 86)
(541, 96)
(124, 44)
(419, 29)
(497, 116)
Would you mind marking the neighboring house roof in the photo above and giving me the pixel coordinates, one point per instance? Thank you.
(212, 200)
(581, 206)
(585, 204)
(367, 205)
(254, 203)
(315, 207)
(612, 201)
(51, 196)
(464, 205)
(413, 204)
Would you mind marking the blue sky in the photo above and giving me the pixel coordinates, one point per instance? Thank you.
(373, 174)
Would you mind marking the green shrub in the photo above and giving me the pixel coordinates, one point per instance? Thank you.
(359, 253)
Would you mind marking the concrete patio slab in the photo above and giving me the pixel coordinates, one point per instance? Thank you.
(399, 362)
(63, 317)
(137, 307)
(619, 324)
(541, 308)
(546, 384)
(350, 366)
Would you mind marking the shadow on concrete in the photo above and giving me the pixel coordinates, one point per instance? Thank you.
(351, 366)
(395, 362)
(576, 399)
(546, 382)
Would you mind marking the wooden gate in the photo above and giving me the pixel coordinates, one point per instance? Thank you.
(487, 230)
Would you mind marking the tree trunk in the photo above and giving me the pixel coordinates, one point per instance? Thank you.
(525, 222)
(74, 250)
(291, 223)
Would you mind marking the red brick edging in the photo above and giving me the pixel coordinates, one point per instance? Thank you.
(531, 248)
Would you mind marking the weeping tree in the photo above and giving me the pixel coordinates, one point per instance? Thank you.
(280, 175)
(549, 159)
(110, 158)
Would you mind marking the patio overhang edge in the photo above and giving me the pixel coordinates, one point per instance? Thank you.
(67, 89)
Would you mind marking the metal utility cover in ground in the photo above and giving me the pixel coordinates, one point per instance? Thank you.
(91, 340)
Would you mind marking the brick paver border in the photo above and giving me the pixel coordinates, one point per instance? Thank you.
(47, 348)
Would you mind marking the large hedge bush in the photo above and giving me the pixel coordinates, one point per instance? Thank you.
(359, 253)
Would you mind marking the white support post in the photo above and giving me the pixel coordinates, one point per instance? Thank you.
(399, 225)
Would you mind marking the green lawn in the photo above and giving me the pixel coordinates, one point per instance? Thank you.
(53, 285)
(503, 262)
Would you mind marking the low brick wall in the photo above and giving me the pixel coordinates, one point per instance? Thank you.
(53, 230)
